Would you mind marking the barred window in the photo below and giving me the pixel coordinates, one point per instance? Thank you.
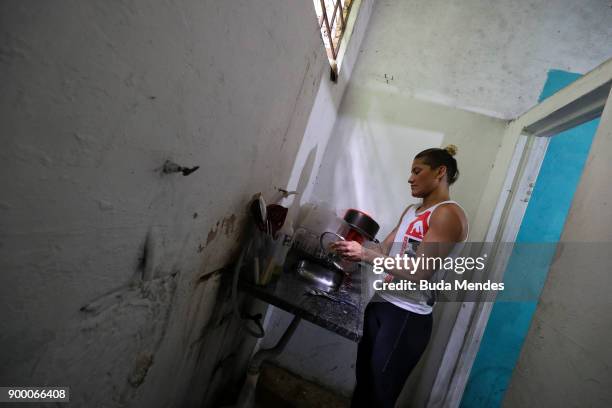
(333, 17)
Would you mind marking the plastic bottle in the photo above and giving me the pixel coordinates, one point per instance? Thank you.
(282, 245)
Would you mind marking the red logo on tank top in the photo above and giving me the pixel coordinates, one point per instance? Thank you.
(418, 226)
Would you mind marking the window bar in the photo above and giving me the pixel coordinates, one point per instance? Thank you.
(337, 6)
(339, 3)
(333, 19)
(329, 35)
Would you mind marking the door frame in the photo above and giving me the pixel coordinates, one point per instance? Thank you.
(579, 102)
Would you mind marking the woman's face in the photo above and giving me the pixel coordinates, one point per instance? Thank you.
(423, 179)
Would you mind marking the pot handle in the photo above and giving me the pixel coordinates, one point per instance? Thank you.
(325, 233)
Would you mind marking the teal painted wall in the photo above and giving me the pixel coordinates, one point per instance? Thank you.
(528, 266)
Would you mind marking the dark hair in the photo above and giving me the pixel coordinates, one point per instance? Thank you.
(437, 157)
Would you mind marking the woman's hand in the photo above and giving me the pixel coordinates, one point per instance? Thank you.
(349, 250)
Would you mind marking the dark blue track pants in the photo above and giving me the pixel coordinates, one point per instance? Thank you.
(392, 344)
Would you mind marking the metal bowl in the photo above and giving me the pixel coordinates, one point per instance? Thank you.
(319, 276)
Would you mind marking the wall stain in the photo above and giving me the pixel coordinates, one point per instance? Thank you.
(212, 234)
(226, 226)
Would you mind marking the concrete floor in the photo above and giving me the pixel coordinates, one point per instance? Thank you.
(280, 388)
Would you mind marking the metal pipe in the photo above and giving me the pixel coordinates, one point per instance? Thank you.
(263, 355)
(246, 399)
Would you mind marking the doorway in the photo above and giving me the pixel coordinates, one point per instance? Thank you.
(548, 198)
(536, 157)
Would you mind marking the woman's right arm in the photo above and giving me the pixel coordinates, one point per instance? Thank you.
(386, 245)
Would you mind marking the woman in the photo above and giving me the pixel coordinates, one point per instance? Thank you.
(397, 325)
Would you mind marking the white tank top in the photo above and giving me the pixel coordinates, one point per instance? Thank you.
(409, 235)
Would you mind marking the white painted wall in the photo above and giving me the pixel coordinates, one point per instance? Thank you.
(328, 362)
(566, 358)
(367, 165)
(96, 97)
(489, 57)
(379, 132)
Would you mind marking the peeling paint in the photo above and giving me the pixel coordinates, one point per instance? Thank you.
(205, 277)
(141, 367)
(104, 205)
(228, 224)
